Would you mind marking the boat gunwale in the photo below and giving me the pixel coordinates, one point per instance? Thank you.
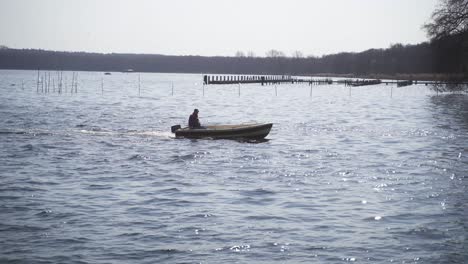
(225, 127)
(226, 133)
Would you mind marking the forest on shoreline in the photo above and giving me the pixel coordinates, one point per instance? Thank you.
(439, 57)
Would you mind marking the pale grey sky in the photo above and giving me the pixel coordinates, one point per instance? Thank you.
(212, 27)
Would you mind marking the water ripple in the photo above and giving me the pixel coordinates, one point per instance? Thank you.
(99, 178)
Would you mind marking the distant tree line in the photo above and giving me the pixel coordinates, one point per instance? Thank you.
(438, 56)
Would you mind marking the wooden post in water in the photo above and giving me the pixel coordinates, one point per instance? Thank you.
(37, 82)
(62, 87)
(59, 82)
(60, 76)
(72, 88)
(139, 86)
(76, 83)
(48, 83)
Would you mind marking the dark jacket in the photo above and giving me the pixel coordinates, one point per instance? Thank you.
(193, 121)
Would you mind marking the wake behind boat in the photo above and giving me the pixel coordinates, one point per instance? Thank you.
(243, 131)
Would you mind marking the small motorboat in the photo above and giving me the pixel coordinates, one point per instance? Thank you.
(244, 131)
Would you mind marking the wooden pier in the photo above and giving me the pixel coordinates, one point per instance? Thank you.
(262, 79)
(284, 79)
(278, 79)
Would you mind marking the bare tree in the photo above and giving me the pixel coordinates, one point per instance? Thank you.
(297, 54)
(240, 54)
(275, 53)
(250, 54)
(449, 18)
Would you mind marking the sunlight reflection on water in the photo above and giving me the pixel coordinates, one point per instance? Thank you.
(98, 177)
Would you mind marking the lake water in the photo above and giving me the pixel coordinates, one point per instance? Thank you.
(368, 175)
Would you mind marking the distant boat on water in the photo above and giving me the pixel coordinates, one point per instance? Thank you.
(107, 73)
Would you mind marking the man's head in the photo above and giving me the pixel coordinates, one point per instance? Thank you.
(195, 111)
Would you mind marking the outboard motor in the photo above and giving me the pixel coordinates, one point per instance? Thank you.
(175, 128)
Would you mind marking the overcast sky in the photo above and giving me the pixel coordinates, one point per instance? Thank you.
(212, 27)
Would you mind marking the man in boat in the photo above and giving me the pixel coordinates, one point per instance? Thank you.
(193, 121)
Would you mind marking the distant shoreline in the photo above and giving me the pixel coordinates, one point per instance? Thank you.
(410, 62)
(435, 77)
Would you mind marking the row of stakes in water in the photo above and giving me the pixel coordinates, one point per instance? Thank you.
(55, 83)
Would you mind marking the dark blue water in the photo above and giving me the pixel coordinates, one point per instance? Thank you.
(377, 175)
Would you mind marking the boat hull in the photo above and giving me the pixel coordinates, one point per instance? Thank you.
(257, 131)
